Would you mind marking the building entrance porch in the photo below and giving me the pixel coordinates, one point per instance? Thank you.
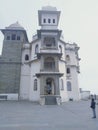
(49, 89)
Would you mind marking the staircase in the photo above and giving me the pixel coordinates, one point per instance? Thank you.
(50, 100)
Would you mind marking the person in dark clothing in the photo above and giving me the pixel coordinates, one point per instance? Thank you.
(48, 89)
(93, 106)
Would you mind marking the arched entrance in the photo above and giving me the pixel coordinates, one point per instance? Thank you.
(49, 86)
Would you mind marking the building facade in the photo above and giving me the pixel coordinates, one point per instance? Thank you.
(44, 70)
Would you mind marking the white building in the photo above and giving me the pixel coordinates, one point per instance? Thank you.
(49, 66)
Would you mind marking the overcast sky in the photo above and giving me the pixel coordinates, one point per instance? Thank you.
(78, 21)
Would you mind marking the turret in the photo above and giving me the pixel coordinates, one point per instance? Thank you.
(14, 36)
(48, 17)
(13, 33)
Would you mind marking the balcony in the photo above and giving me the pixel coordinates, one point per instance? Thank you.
(49, 52)
(49, 73)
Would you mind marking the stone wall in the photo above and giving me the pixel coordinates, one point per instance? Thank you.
(10, 65)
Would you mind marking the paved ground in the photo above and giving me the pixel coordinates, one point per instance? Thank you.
(24, 115)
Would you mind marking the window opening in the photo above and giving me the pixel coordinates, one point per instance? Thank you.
(44, 20)
(49, 20)
(49, 63)
(67, 57)
(18, 37)
(49, 41)
(13, 36)
(26, 57)
(69, 88)
(36, 49)
(8, 38)
(35, 84)
(53, 20)
(68, 70)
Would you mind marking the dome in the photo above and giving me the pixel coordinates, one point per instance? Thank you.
(15, 26)
(49, 8)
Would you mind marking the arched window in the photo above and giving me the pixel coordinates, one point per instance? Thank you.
(60, 47)
(69, 88)
(62, 84)
(67, 58)
(68, 70)
(35, 84)
(49, 63)
(36, 49)
(26, 57)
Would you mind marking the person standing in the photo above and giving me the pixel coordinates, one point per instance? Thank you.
(93, 106)
(48, 89)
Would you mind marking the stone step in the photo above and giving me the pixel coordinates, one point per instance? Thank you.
(50, 100)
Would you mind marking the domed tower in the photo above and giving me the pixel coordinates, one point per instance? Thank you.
(10, 63)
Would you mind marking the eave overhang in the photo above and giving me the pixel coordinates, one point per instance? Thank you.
(49, 73)
(24, 31)
(49, 31)
(50, 54)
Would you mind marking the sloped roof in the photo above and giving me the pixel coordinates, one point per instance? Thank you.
(15, 26)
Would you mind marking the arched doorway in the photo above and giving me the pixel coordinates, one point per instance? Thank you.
(49, 86)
